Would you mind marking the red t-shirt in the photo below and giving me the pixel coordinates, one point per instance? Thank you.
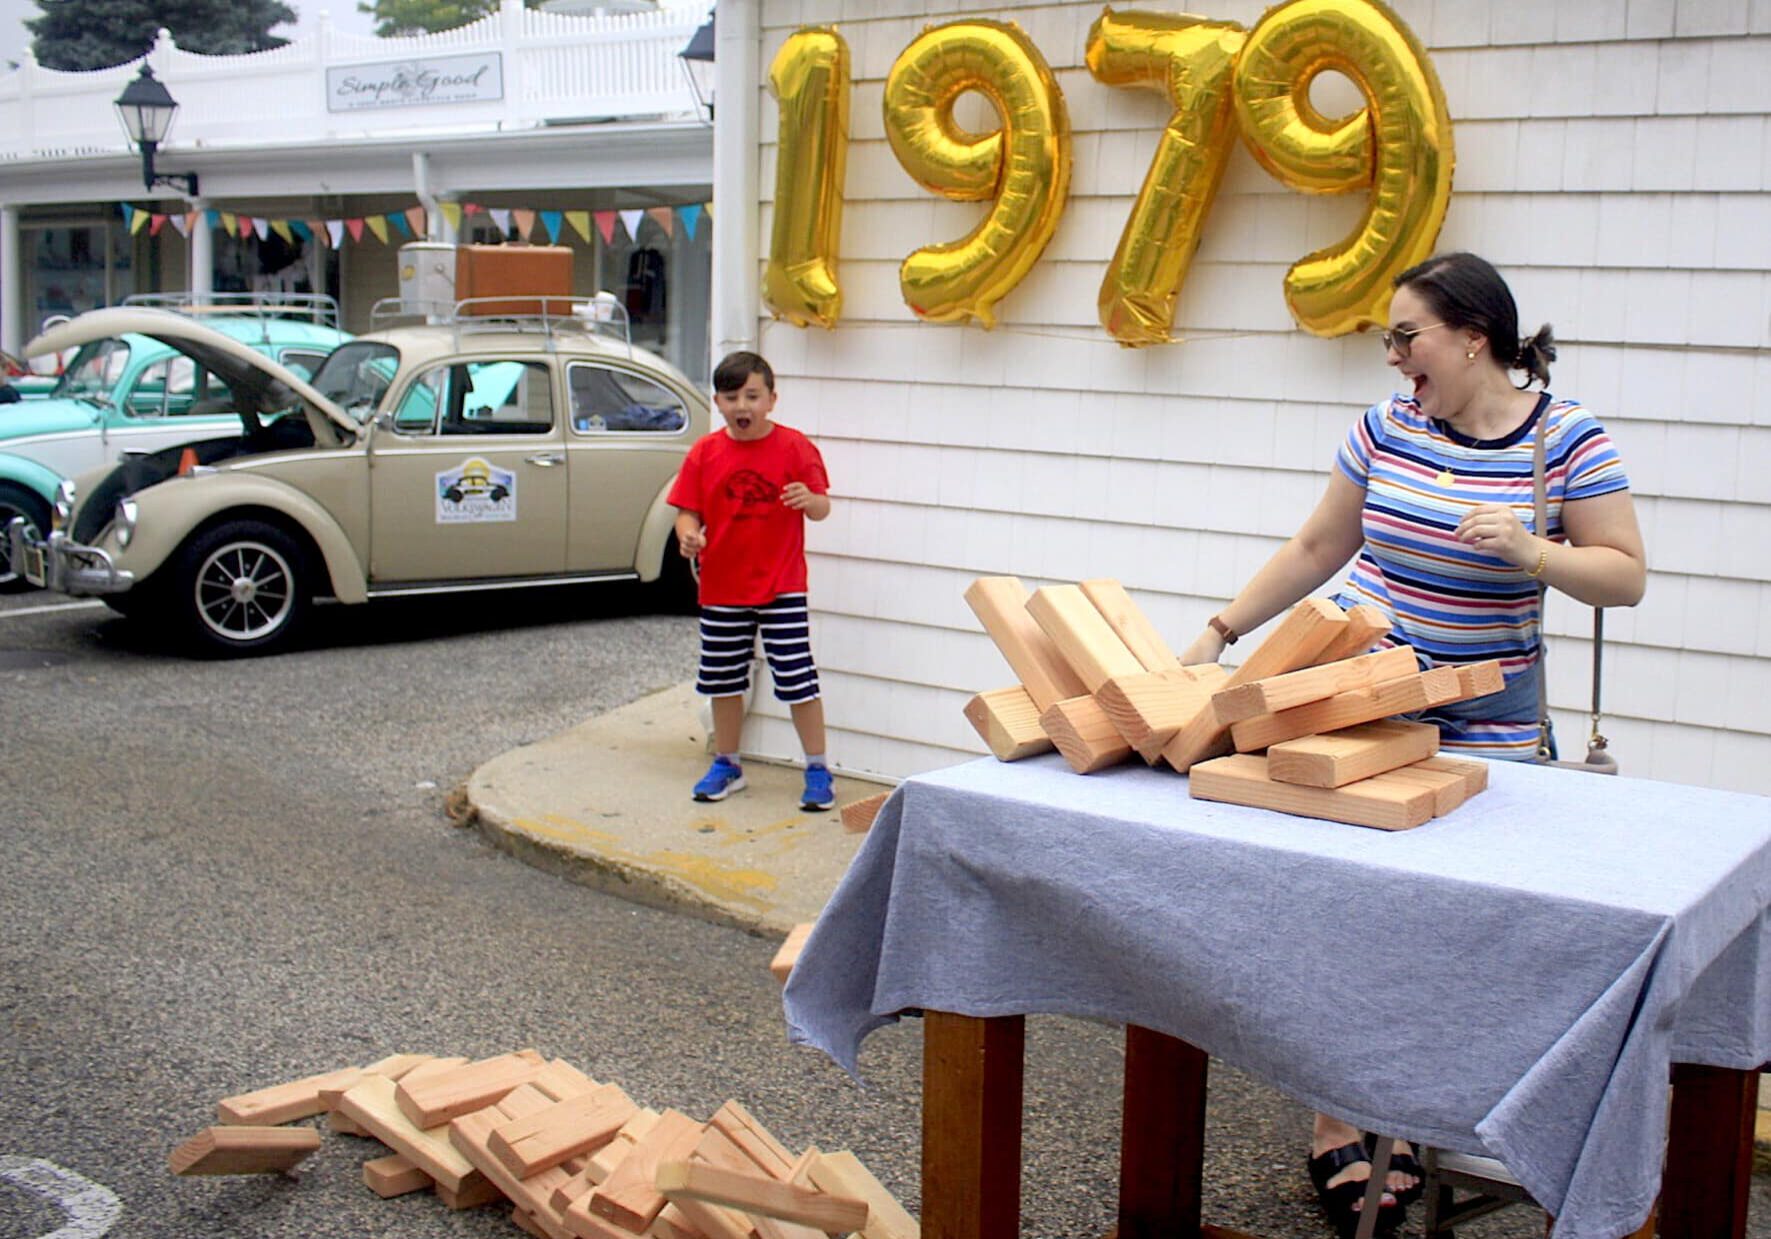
(756, 545)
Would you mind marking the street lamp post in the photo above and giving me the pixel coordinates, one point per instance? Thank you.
(146, 109)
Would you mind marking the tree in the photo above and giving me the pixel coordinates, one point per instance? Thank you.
(397, 17)
(75, 35)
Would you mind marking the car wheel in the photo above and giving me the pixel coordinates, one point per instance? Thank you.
(17, 501)
(241, 588)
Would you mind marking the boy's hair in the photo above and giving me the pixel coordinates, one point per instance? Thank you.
(735, 369)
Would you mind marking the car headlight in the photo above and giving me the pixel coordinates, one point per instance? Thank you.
(64, 504)
(127, 514)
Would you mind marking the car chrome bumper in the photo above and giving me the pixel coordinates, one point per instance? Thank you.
(61, 564)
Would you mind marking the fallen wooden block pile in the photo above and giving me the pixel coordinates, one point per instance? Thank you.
(1304, 725)
(573, 1157)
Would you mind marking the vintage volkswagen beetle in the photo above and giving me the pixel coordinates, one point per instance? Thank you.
(467, 454)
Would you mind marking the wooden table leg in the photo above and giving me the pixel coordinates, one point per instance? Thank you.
(971, 1126)
(1162, 1140)
(1709, 1158)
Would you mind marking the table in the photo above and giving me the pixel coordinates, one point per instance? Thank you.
(1569, 938)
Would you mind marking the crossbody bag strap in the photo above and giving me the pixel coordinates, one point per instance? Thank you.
(1540, 502)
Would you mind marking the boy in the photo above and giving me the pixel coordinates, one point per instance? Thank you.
(743, 497)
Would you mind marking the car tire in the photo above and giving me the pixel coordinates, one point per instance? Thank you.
(17, 501)
(240, 588)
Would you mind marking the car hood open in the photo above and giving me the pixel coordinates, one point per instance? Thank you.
(260, 385)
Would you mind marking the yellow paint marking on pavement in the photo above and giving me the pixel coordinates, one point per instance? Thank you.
(703, 872)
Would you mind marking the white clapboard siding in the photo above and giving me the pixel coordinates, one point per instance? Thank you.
(1613, 158)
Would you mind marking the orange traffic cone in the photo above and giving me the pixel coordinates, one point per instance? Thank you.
(187, 461)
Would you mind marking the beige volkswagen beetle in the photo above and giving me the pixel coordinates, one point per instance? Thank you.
(473, 453)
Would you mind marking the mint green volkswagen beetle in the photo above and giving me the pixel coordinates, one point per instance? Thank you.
(130, 393)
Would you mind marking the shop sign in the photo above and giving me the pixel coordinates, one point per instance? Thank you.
(406, 83)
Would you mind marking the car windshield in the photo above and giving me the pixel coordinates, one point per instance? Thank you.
(94, 371)
(356, 376)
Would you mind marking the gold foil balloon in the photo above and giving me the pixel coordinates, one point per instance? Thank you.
(810, 81)
(1399, 144)
(1024, 165)
(1190, 60)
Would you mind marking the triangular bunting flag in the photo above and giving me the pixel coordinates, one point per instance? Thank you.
(665, 218)
(230, 223)
(301, 229)
(155, 223)
(282, 229)
(708, 208)
(378, 225)
(128, 215)
(137, 222)
(212, 217)
(472, 208)
(263, 228)
(452, 213)
(580, 221)
(631, 221)
(182, 223)
(356, 228)
(335, 232)
(551, 220)
(398, 220)
(525, 221)
(417, 220)
(605, 224)
(501, 217)
(691, 216)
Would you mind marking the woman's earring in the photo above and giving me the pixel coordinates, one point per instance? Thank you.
(1471, 354)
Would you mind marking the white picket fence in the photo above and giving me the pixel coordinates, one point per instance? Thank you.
(555, 68)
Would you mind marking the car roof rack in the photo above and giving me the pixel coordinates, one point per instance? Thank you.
(316, 308)
(553, 317)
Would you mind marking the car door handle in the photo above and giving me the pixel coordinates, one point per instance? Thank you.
(547, 460)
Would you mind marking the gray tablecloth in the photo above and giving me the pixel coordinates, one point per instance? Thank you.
(1513, 979)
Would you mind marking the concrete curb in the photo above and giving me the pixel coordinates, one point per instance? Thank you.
(607, 804)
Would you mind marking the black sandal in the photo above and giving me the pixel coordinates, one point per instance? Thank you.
(1403, 1163)
(1340, 1201)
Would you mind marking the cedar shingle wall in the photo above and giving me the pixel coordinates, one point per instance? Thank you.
(1614, 158)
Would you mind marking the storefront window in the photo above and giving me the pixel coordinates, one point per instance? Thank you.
(75, 268)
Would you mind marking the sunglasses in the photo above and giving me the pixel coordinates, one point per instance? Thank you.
(1402, 338)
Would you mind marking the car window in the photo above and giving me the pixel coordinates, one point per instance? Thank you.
(478, 398)
(303, 361)
(417, 413)
(356, 375)
(607, 401)
(95, 369)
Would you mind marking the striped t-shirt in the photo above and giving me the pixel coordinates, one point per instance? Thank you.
(1452, 603)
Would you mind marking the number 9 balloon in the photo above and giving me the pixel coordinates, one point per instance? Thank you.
(1399, 144)
(810, 81)
(1024, 165)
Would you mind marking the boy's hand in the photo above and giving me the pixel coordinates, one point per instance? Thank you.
(798, 496)
(691, 542)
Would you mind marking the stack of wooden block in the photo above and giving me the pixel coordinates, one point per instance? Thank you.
(574, 1157)
(1303, 725)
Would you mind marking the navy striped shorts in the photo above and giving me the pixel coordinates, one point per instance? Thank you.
(728, 641)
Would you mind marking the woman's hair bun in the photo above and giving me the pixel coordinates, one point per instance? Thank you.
(1536, 352)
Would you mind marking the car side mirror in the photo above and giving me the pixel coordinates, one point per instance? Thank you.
(383, 420)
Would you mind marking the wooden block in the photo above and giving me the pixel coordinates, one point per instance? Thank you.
(243, 1150)
(1341, 757)
(1242, 779)
(437, 1098)
(758, 1143)
(471, 1136)
(393, 1067)
(711, 1221)
(1084, 735)
(431, 1066)
(1000, 603)
(1474, 773)
(1308, 629)
(1007, 721)
(1362, 705)
(858, 815)
(603, 1162)
(1125, 618)
(1366, 626)
(473, 1194)
(283, 1103)
(630, 1197)
(760, 1194)
(776, 1228)
(1297, 688)
(559, 1080)
(1480, 679)
(564, 1130)
(371, 1103)
(1147, 709)
(520, 1218)
(788, 955)
(343, 1125)
(842, 1174)
(1449, 789)
(393, 1175)
(1082, 635)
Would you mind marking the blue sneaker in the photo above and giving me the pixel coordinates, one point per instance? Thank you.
(820, 792)
(723, 778)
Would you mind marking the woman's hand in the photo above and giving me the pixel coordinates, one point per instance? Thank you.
(1207, 647)
(1494, 529)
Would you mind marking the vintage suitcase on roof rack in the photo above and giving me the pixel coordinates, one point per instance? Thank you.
(492, 270)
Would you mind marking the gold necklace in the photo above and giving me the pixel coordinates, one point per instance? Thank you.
(1445, 477)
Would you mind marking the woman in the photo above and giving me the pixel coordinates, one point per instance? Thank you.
(1432, 491)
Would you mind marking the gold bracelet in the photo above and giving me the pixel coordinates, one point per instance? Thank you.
(1543, 557)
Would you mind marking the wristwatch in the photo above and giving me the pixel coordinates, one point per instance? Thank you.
(1222, 629)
